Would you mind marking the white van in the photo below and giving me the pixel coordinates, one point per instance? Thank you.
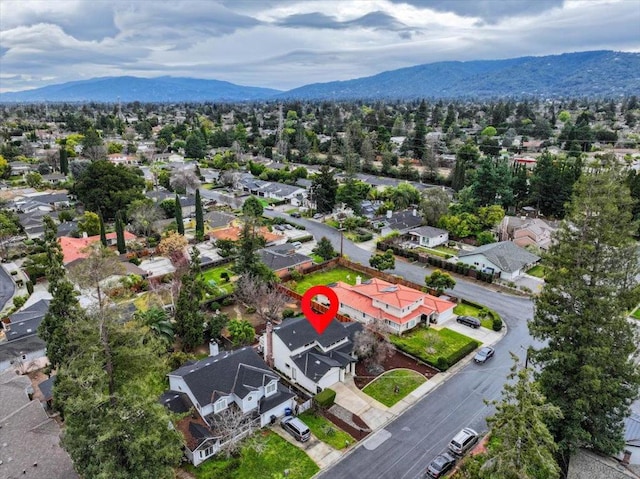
(296, 428)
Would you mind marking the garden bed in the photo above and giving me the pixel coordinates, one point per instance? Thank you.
(398, 360)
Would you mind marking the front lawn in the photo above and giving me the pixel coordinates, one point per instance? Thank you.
(537, 271)
(326, 431)
(636, 313)
(464, 309)
(327, 277)
(440, 348)
(317, 258)
(383, 389)
(213, 277)
(277, 456)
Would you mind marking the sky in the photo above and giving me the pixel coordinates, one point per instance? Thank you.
(284, 44)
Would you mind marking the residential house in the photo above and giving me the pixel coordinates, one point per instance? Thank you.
(429, 237)
(30, 439)
(20, 168)
(75, 248)
(401, 221)
(237, 381)
(586, 464)
(525, 231)
(296, 195)
(209, 175)
(157, 267)
(54, 178)
(504, 257)
(397, 307)
(187, 202)
(284, 258)
(219, 219)
(19, 340)
(233, 233)
(312, 361)
(122, 159)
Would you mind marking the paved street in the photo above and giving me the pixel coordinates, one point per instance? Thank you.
(404, 448)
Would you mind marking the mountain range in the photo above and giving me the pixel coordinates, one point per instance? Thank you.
(596, 73)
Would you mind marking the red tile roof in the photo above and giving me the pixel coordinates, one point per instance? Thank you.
(73, 248)
(360, 297)
(233, 233)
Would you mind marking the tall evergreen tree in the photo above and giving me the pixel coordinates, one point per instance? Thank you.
(64, 160)
(120, 242)
(586, 366)
(64, 308)
(189, 318)
(178, 215)
(103, 232)
(199, 218)
(525, 447)
(324, 189)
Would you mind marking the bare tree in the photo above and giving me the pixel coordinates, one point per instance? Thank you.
(371, 346)
(184, 179)
(232, 425)
(267, 300)
(143, 218)
(95, 152)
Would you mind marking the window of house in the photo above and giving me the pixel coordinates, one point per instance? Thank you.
(293, 374)
(208, 451)
(271, 388)
(286, 365)
(220, 405)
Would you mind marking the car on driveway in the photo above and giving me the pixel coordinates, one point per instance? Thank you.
(440, 465)
(484, 354)
(296, 428)
(469, 321)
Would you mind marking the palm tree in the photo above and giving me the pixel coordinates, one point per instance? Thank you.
(158, 322)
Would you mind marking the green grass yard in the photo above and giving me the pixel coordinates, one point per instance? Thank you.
(636, 313)
(463, 309)
(537, 271)
(326, 277)
(213, 274)
(326, 431)
(277, 456)
(429, 344)
(383, 389)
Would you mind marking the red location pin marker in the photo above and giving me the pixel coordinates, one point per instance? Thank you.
(320, 321)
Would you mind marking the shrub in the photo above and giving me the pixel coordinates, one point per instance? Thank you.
(214, 306)
(456, 356)
(224, 276)
(135, 261)
(29, 287)
(227, 301)
(19, 301)
(441, 363)
(497, 323)
(288, 313)
(304, 239)
(251, 310)
(295, 275)
(325, 398)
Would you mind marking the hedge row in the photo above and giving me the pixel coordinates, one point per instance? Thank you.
(304, 239)
(325, 398)
(456, 356)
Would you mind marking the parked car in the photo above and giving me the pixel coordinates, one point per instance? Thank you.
(484, 354)
(268, 207)
(463, 441)
(296, 244)
(279, 227)
(317, 216)
(296, 428)
(440, 465)
(289, 227)
(469, 321)
(295, 215)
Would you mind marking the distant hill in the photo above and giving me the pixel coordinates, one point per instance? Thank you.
(127, 89)
(598, 73)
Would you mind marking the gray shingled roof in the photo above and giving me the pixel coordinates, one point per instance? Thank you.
(238, 372)
(282, 256)
(296, 332)
(428, 231)
(505, 255)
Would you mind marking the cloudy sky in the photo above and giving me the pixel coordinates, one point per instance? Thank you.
(286, 43)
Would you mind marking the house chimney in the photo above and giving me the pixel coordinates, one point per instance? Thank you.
(213, 348)
(626, 459)
(389, 214)
(268, 353)
(358, 280)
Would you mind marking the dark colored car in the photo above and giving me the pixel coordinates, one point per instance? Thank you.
(295, 215)
(469, 321)
(440, 465)
(484, 354)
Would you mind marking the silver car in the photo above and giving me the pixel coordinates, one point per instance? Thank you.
(484, 354)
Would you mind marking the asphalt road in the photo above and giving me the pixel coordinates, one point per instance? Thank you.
(422, 432)
(7, 287)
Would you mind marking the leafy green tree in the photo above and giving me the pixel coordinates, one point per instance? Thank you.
(120, 242)
(108, 188)
(552, 183)
(33, 179)
(9, 228)
(323, 189)
(485, 237)
(439, 281)
(196, 146)
(525, 448)
(89, 223)
(466, 158)
(587, 369)
(490, 216)
(189, 317)
(5, 168)
(325, 249)
(383, 261)
(64, 309)
(252, 207)
(199, 218)
(492, 183)
(435, 204)
(241, 332)
(106, 394)
(177, 214)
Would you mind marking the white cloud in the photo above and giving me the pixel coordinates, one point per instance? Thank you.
(284, 44)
